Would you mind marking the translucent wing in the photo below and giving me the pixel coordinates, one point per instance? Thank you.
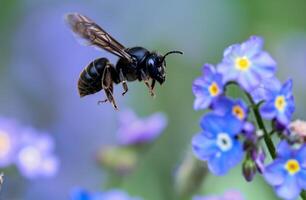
(95, 35)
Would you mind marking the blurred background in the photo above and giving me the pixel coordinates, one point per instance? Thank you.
(40, 62)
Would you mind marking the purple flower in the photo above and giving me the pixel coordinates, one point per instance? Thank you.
(247, 63)
(217, 144)
(8, 141)
(207, 87)
(237, 108)
(287, 173)
(35, 157)
(115, 194)
(281, 105)
(229, 195)
(133, 130)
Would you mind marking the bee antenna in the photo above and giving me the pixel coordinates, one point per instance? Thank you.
(171, 52)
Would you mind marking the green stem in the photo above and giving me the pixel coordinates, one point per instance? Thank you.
(303, 194)
(261, 125)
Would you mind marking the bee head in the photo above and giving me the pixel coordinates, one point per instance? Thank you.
(156, 65)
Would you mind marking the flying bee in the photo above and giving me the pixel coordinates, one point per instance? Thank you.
(136, 63)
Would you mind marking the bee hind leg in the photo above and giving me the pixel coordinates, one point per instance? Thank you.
(107, 85)
(110, 98)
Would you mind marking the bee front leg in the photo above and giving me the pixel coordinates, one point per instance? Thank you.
(145, 78)
(124, 84)
(153, 84)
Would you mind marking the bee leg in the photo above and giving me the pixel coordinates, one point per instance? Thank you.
(107, 85)
(153, 84)
(102, 101)
(146, 81)
(124, 85)
(110, 97)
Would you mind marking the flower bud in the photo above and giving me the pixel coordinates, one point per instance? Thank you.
(249, 169)
(121, 160)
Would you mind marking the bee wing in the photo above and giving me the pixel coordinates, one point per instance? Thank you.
(85, 28)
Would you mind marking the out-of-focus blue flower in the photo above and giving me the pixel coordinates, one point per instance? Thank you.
(8, 141)
(207, 87)
(217, 143)
(115, 194)
(287, 173)
(133, 130)
(281, 105)
(237, 108)
(229, 195)
(82, 194)
(247, 63)
(35, 157)
(265, 89)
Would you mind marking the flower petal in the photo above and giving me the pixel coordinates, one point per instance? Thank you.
(217, 164)
(231, 52)
(289, 189)
(274, 173)
(213, 124)
(201, 103)
(222, 105)
(208, 71)
(301, 178)
(227, 71)
(283, 119)
(232, 125)
(284, 150)
(203, 147)
(268, 110)
(268, 88)
(301, 156)
(235, 155)
(252, 46)
(249, 80)
(287, 87)
(265, 65)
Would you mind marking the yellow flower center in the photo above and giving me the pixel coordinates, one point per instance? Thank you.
(214, 89)
(243, 63)
(5, 143)
(238, 112)
(292, 166)
(280, 103)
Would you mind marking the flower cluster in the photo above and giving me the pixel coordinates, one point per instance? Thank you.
(29, 150)
(115, 194)
(229, 136)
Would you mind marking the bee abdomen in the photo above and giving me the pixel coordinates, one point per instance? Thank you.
(90, 80)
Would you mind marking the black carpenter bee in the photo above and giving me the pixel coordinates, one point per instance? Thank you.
(135, 63)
